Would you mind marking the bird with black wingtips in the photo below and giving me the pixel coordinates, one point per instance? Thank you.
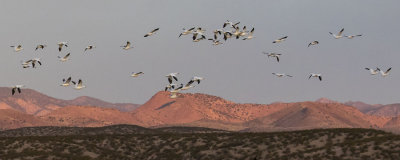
(196, 79)
(276, 55)
(137, 74)
(186, 31)
(34, 60)
(313, 43)
(385, 73)
(40, 46)
(280, 39)
(17, 48)
(250, 35)
(61, 44)
(16, 88)
(89, 47)
(152, 32)
(25, 64)
(66, 82)
(339, 35)
(230, 24)
(199, 31)
(78, 85)
(242, 33)
(227, 34)
(127, 45)
(172, 76)
(373, 71)
(65, 58)
(199, 39)
(317, 75)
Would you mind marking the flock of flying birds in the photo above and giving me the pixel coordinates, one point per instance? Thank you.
(229, 30)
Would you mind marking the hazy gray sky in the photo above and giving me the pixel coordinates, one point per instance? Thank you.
(236, 70)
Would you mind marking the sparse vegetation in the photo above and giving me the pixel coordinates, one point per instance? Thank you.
(198, 143)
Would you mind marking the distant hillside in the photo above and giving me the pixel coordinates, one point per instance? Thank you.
(35, 103)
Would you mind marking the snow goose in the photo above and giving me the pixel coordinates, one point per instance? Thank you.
(152, 32)
(34, 60)
(276, 55)
(280, 39)
(25, 64)
(227, 34)
(315, 75)
(196, 79)
(313, 43)
(339, 35)
(186, 31)
(78, 85)
(136, 74)
(230, 24)
(89, 47)
(40, 46)
(384, 74)
(16, 88)
(250, 35)
(172, 76)
(175, 91)
(373, 71)
(66, 82)
(65, 58)
(17, 48)
(199, 39)
(127, 45)
(61, 44)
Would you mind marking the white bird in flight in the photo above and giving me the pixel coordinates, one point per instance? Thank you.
(40, 46)
(152, 32)
(172, 76)
(78, 85)
(65, 58)
(386, 73)
(313, 43)
(373, 71)
(315, 75)
(186, 31)
(127, 45)
(61, 44)
(280, 39)
(16, 88)
(17, 48)
(281, 75)
(66, 82)
(136, 74)
(339, 35)
(230, 24)
(89, 47)
(196, 79)
(276, 55)
(250, 35)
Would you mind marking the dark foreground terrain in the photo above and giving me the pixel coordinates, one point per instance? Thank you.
(133, 142)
